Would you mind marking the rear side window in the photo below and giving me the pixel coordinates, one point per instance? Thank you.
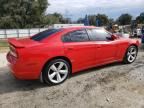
(42, 35)
(99, 35)
(76, 36)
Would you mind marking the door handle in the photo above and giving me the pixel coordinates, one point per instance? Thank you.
(98, 46)
(70, 48)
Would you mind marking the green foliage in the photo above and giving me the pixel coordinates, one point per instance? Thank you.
(111, 21)
(80, 20)
(92, 19)
(101, 17)
(3, 43)
(22, 13)
(27, 14)
(31, 13)
(124, 19)
(140, 18)
(55, 18)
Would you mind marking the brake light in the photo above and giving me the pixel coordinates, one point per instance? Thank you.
(13, 51)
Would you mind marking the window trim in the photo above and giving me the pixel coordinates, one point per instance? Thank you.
(75, 41)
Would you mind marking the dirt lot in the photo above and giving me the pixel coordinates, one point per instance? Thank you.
(112, 86)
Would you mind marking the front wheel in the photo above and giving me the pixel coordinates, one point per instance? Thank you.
(130, 55)
(56, 71)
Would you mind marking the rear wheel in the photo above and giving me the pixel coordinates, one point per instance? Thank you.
(56, 72)
(131, 54)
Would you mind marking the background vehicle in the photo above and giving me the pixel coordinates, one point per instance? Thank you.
(142, 39)
(142, 34)
(123, 33)
(54, 54)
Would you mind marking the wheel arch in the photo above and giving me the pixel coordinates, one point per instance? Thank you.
(130, 46)
(58, 57)
(133, 45)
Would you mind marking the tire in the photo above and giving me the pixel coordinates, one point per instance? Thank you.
(130, 55)
(56, 72)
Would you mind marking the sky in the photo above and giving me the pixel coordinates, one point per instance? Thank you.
(75, 9)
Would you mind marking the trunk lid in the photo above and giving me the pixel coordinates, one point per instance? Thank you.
(16, 46)
(21, 43)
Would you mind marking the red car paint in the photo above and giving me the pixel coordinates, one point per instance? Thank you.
(28, 57)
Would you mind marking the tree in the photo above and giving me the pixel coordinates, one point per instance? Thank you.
(56, 18)
(80, 20)
(111, 21)
(140, 18)
(62, 19)
(103, 19)
(92, 19)
(124, 19)
(22, 13)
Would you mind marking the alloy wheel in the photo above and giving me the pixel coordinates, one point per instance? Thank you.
(131, 55)
(57, 72)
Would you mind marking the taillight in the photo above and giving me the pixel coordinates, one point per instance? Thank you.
(13, 51)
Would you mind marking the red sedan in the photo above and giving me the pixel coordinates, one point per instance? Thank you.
(54, 54)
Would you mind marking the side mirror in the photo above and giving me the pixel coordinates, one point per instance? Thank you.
(114, 37)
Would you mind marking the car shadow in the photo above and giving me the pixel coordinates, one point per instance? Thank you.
(142, 47)
(9, 84)
(95, 69)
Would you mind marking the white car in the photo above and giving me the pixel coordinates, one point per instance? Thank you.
(139, 33)
(122, 34)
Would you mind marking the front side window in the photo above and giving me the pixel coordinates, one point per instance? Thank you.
(99, 35)
(76, 36)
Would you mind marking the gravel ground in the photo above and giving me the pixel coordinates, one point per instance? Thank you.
(3, 61)
(111, 86)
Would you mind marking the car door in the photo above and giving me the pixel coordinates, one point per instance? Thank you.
(106, 48)
(79, 49)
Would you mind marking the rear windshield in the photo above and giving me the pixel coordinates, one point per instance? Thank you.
(42, 35)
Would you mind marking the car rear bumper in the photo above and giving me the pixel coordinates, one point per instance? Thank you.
(22, 71)
(19, 74)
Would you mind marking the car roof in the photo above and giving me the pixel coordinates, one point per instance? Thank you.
(82, 27)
